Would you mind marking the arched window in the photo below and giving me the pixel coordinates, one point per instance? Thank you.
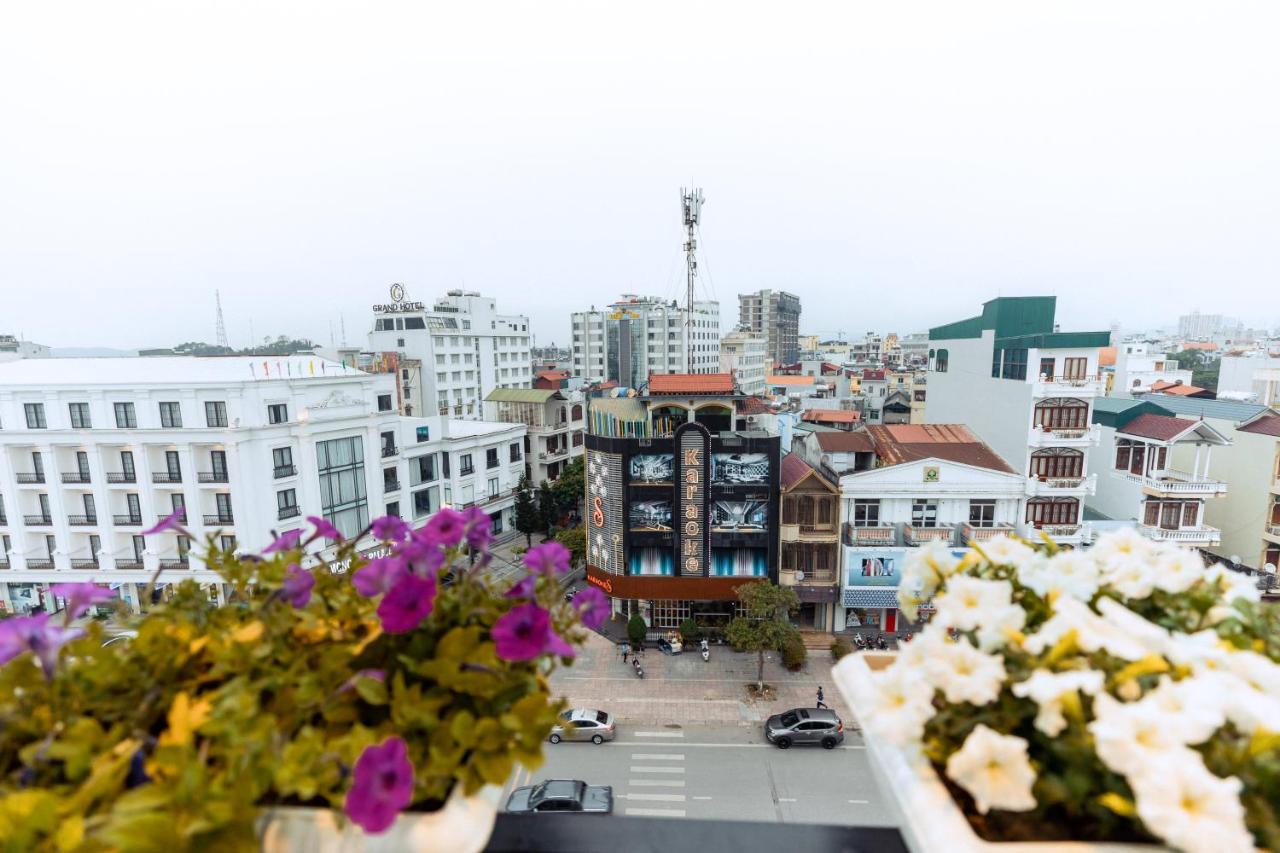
(1052, 511)
(577, 412)
(1062, 413)
(1057, 462)
(940, 362)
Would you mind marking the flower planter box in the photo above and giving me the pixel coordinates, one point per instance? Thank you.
(928, 817)
(462, 826)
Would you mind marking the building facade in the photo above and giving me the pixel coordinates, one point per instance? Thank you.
(775, 316)
(455, 351)
(642, 335)
(1138, 367)
(554, 421)
(682, 500)
(12, 349)
(744, 355)
(1028, 391)
(810, 542)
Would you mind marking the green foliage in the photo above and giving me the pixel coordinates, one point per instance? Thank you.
(548, 510)
(575, 540)
(766, 626)
(570, 486)
(1204, 368)
(841, 647)
(230, 709)
(636, 630)
(528, 520)
(794, 653)
(689, 631)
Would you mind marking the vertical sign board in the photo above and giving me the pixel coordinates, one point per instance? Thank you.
(693, 466)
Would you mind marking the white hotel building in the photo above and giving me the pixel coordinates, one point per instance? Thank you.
(94, 451)
(638, 336)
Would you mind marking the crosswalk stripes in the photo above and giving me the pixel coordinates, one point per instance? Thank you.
(658, 764)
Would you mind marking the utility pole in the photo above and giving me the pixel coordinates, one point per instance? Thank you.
(221, 333)
(691, 203)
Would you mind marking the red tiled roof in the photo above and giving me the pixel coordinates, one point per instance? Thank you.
(840, 441)
(872, 374)
(899, 443)
(831, 416)
(795, 470)
(1177, 389)
(691, 383)
(1203, 345)
(776, 379)
(753, 406)
(1156, 427)
(1265, 425)
(553, 374)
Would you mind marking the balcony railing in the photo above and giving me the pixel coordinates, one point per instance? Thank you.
(390, 485)
(4, 565)
(122, 476)
(167, 477)
(285, 471)
(40, 565)
(1057, 531)
(76, 477)
(1178, 483)
(37, 520)
(82, 520)
(916, 535)
(814, 577)
(817, 531)
(127, 520)
(288, 512)
(175, 563)
(84, 564)
(869, 534)
(1060, 485)
(37, 477)
(220, 518)
(388, 450)
(1062, 435)
(212, 477)
(1063, 386)
(129, 564)
(1203, 534)
(982, 534)
(1272, 529)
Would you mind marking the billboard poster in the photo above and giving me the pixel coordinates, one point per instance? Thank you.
(739, 516)
(650, 515)
(734, 468)
(652, 468)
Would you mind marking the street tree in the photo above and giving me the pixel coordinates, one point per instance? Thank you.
(548, 511)
(528, 518)
(767, 626)
(569, 485)
(575, 540)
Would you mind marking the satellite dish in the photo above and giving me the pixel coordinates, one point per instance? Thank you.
(1269, 568)
(799, 574)
(1235, 558)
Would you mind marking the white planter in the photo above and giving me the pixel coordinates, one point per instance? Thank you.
(929, 819)
(462, 826)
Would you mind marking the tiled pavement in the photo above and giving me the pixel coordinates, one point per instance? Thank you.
(684, 689)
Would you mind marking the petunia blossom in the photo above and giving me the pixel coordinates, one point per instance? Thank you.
(421, 556)
(525, 632)
(296, 589)
(549, 558)
(286, 541)
(378, 575)
(406, 604)
(34, 634)
(592, 606)
(81, 596)
(524, 588)
(446, 527)
(325, 529)
(382, 785)
(389, 528)
(478, 528)
(994, 768)
(172, 521)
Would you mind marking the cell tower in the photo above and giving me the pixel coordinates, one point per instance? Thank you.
(222, 324)
(691, 203)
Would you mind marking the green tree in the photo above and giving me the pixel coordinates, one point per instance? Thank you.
(569, 486)
(1204, 369)
(766, 627)
(548, 511)
(636, 629)
(528, 519)
(574, 539)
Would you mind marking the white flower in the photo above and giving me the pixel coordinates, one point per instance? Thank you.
(1235, 584)
(1181, 802)
(1120, 546)
(1091, 631)
(1203, 651)
(1248, 709)
(1260, 672)
(1178, 569)
(925, 568)
(1193, 706)
(1128, 737)
(1073, 573)
(1048, 689)
(1003, 551)
(1150, 636)
(901, 704)
(966, 600)
(995, 770)
(1128, 562)
(965, 674)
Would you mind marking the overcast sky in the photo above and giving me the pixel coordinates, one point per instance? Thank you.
(895, 164)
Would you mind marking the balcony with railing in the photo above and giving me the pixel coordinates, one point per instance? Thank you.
(37, 520)
(388, 450)
(129, 564)
(1064, 436)
(971, 533)
(76, 477)
(42, 565)
(1167, 482)
(1272, 529)
(82, 520)
(1063, 386)
(1063, 534)
(84, 565)
(869, 534)
(175, 563)
(1202, 535)
(288, 512)
(127, 520)
(212, 477)
(281, 471)
(1052, 486)
(553, 453)
(166, 477)
(122, 476)
(390, 485)
(914, 534)
(27, 479)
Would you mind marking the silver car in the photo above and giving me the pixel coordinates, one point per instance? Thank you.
(805, 725)
(584, 724)
(561, 795)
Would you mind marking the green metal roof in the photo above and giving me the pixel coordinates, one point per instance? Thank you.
(1117, 412)
(520, 395)
(1056, 340)
(1227, 410)
(1007, 316)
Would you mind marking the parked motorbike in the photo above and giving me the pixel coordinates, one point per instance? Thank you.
(570, 593)
(881, 643)
(639, 670)
(859, 642)
(706, 651)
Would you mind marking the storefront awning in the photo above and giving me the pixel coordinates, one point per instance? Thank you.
(871, 597)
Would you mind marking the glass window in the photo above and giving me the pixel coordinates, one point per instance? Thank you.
(286, 499)
(515, 452)
(940, 363)
(1046, 368)
(1074, 368)
(277, 413)
(215, 413)
(1015, 363)
(393, 508)
(426, 501)
(924, 513)
(170, 415)
(35, 415)
(464, 464)
(866, 513)
(384, 402)
(282, 459)
(493, 486)
(491, 458)
(343, 500)
(423, 469)
(126, 417)
(982, 513)
(79, 415)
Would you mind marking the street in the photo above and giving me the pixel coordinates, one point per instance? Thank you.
(722, 772)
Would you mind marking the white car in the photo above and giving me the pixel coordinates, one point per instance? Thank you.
(584, 724)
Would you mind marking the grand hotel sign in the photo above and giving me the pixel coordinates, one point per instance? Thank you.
(398, 303)
(693, 464)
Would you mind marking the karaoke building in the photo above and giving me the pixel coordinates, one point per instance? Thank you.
(682, 498)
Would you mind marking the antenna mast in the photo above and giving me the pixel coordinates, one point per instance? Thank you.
(222, 325)
(691, 202)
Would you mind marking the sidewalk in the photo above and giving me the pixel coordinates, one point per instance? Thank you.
(685, 690)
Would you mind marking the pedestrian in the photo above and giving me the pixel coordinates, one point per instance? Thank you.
(821, 704)
(625, 651)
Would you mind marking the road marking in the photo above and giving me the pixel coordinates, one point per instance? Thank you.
(654, 798)
(702, 798)
(656, 756)
(860, 802)
(720, 745)
(657, 769)
(656, 783)
(786, 799)
(658, 734)
(656, 812)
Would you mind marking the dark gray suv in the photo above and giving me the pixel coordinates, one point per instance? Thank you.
(804, 725)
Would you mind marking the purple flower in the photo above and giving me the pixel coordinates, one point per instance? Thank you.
(593, 606)
(382, 786)
(170, 522)
(525, 632)
(446, 527)
(297, 585)
(406, 604)
(34, 634)
(389, 528)
(286, 541)
(549, 558)
(478, 528)
(325, 529)
(81, 596)
(422, 557)
(524, 588)
(378, 575)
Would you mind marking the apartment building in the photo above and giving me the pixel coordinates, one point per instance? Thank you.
(12, 348)
(1027, 390)
(1136, 462)
(775, 316)
(744, 355)
(907, 485)
(554, 422)
(642, 335)
(810, 542)
(454, 351)
(95, 450)
(1139, 367)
